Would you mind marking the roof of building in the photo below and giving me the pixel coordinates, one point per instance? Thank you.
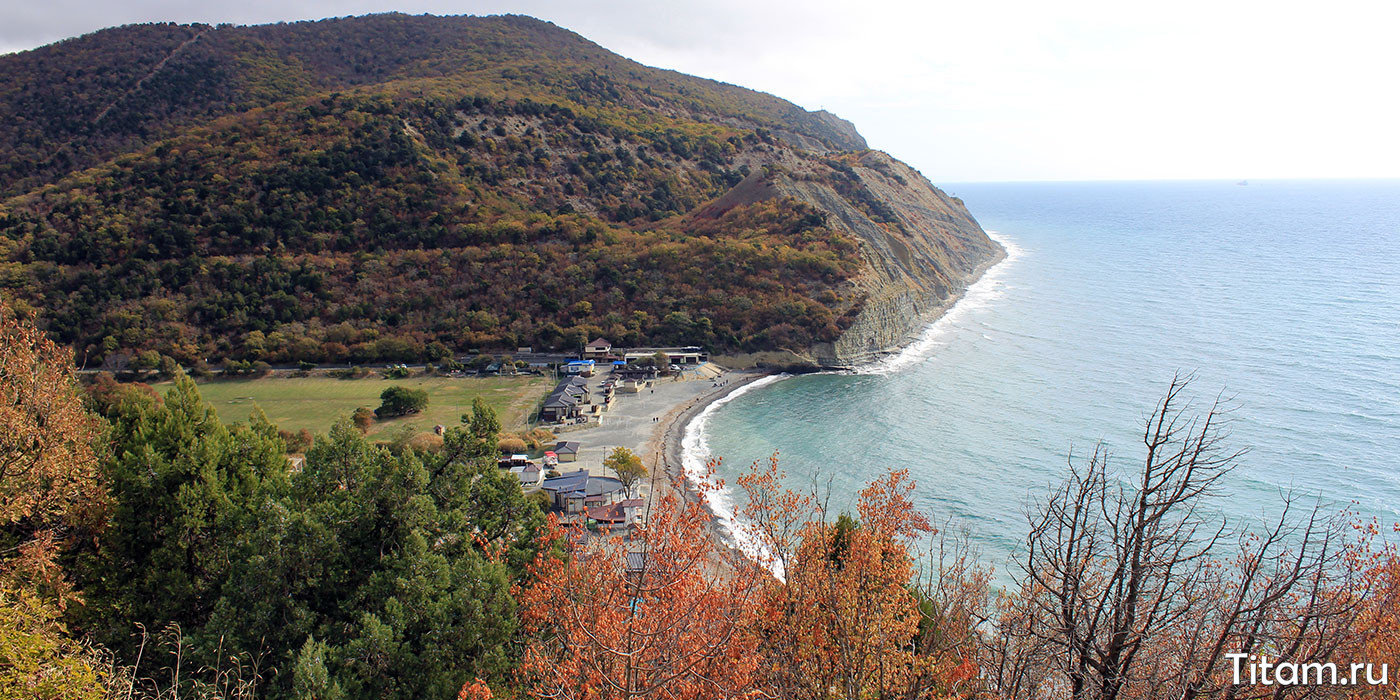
(581, 484)
(566, 446)
(599, 344)
(615, 513)
(560, 399)
(568, 483)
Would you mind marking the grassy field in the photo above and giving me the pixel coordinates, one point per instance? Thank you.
(315, 403)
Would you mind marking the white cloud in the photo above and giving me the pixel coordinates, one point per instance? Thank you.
(985, 90)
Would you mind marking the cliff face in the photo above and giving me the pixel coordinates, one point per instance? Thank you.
(922, 254)
(921, 248)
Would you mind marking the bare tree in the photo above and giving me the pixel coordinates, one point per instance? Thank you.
(1131, 586)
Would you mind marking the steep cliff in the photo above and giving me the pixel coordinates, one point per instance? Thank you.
(921, 248)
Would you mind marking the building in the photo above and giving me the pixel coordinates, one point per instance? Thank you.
(619, 514)
(560, 406)
(530, 475)
(688, 355)
(567, 401)
(599, 349)
(633, 386)
(566, 451)
(576, 491)
(582, 368)
(634, 372)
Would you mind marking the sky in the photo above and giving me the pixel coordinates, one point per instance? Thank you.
(977, 90)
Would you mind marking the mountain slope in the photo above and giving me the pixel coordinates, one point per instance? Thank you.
(393, 188)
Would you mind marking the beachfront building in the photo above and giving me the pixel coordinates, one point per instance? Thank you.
(530, 475)
(560, 406)
(635, 372)
(576, 491)
(688, 355)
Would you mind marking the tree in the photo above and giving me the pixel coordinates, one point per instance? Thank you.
(37, 657)
(185, 489)
(401, 401)
(1128, 587)
(627, 466)
(51, 490)
(845, 620)
(644, 618)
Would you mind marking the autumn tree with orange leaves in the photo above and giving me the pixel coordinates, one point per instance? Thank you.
(848, 619)
(661, 613)
(50, 490)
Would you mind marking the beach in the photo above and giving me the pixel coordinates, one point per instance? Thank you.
(652, 422)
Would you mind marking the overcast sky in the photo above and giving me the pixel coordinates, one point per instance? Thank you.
(978, 89)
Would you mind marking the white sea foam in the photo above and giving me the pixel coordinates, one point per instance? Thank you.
(988, 288)
(695, 451)
(695, 454)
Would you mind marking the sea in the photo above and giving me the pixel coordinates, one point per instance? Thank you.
(1281, 298)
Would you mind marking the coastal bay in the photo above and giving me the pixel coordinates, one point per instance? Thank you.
(1277, 295)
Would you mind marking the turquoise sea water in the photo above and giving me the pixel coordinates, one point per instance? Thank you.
(1284, 295)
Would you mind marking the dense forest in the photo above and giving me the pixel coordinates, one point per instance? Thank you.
(382, 188)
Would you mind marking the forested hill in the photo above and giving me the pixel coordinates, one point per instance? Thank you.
(393, 187)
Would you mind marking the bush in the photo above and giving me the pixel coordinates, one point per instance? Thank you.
(297, 442)
(425, 442)
(401, 401)
(306, 366)
(511, 444)
(363, 419)
(538, 438)
(396, 372)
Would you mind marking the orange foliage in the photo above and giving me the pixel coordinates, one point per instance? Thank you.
(1377, 628)
(49, 484)
(644, 616)
(476, 690)
(671, 614)
(847, 620)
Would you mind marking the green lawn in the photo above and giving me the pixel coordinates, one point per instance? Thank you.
(315, 403)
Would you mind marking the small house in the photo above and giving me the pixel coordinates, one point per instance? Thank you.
(635, 372)
(566, 451)
(581, 368)
(599, 349)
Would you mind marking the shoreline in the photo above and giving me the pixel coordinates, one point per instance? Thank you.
(666, 450)
(913, 337)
